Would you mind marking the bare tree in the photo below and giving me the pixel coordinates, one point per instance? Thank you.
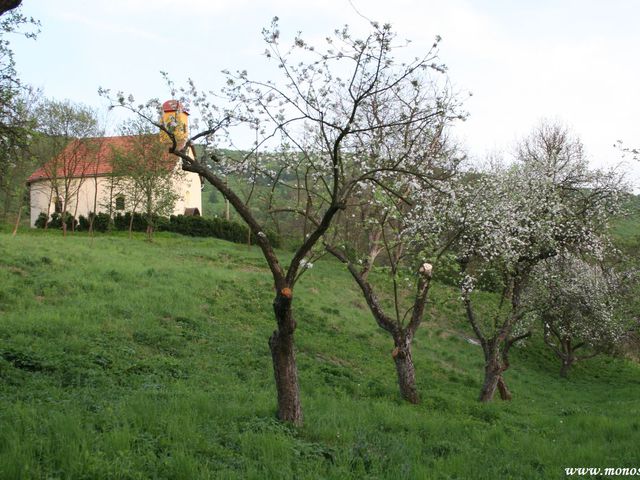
(67, 154)
(147, 173)
(314, 112)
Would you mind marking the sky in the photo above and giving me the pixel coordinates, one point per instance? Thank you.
(522, 61)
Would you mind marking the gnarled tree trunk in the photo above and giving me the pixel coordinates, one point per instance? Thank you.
(495, 366)
(505, 394)
(284, 360)
(404, 367)
(567, 362)
(492, 375)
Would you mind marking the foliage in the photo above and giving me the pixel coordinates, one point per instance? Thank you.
(17, 161)
(100, 222)
(16, 115)
(41, 221)
(57, 220)
(184, 225)
(11, 125)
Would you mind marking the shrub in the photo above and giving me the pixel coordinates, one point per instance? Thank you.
(121, 222)
(56, 221)
(83, 223)
(192, 226)
(213, 227)
(42, 219)
(101, 221)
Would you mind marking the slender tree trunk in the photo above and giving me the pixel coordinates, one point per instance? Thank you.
(95, 203)
(46, 223)
(284, 360)
(404, 368)
(131, 225)
(75, 215)
(15, 228)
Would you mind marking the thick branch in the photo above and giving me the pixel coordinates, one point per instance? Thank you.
(508, 344)
(190, 165)
(474, 323)
(6, 5)
(424, 281)
(372, 300)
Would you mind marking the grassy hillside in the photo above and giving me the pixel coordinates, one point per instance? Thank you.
(123, 359)
(627, 229)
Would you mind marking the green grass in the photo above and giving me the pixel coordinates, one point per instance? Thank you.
(627, 228)
(122, 359)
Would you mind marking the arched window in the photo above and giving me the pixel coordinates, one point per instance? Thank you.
(120, 202)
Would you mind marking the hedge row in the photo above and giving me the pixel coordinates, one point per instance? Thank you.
(213, 227)
(192, 226)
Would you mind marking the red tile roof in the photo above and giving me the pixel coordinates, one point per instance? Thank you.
(90, 157)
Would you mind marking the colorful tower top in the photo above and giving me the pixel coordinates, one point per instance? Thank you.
(176, 118)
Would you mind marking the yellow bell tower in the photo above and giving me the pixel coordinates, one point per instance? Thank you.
(176, 118)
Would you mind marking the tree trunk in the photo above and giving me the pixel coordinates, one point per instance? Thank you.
(284, 360)
(505, 394)
(492, 375)
(131, 225)
(15, 228)
(567, 362)
(405, 369)
(46, 223)
(75, 215)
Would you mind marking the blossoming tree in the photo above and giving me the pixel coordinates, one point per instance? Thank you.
(579, 306)
(547, 203)
(392, 243)
(306, 125)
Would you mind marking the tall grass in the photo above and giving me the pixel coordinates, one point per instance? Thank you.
(134, 360)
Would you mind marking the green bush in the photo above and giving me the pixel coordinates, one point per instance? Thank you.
(101, 221)
(55, 221)
(185, 225)
(41, 221)
(83, 223)
(121, 222)
(213, 227)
